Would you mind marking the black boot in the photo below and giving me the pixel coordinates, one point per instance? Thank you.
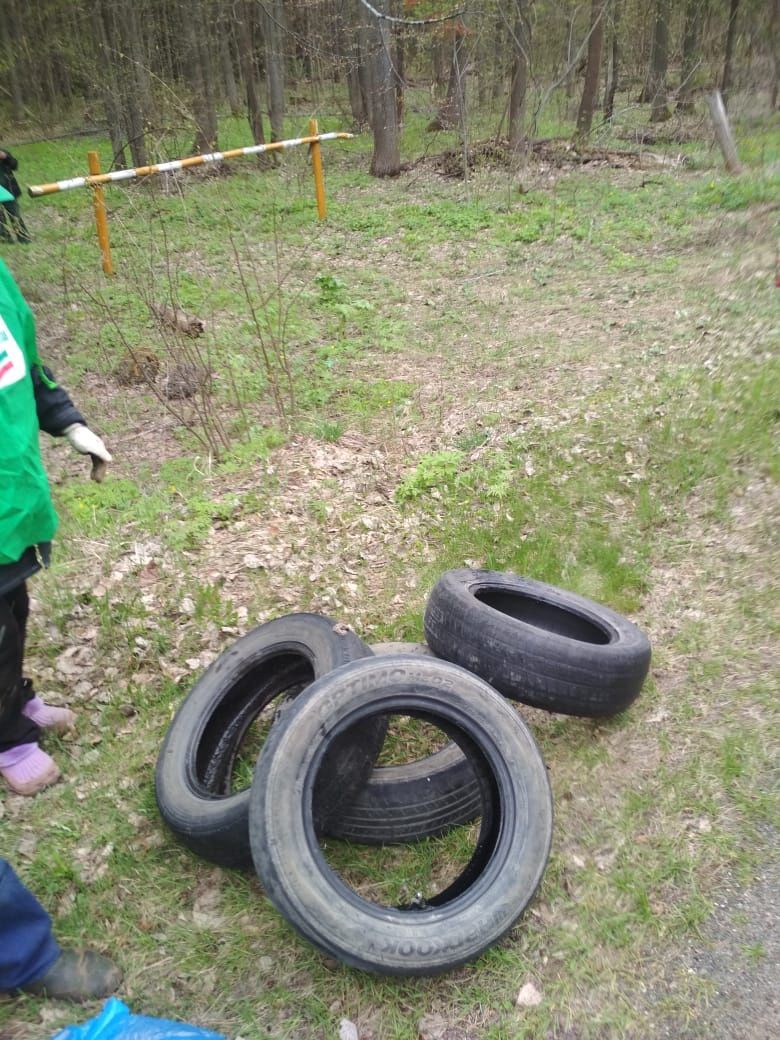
(77, 975)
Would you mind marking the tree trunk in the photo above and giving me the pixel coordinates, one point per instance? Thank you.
(357, 101)
(452, 111)
(659, 110)
(484, 51)
(245, 43)
(386, 160)
(10, 47)
(569, 51)
(274, 36)
(774, 51)
(731, 33)
(521, 45)
(39, 27)
(365, 66)
(438, 61)
(131, 72)
(614, 61)
(228, 70)
(694, 10)
(499, 64)
(302, 37)
(347, 36)
(399, 56)
(591, 86)
(200, 74)
(109, 82)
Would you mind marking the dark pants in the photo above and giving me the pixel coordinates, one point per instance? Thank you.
(27, 947)
(15, 728)
(11, 220)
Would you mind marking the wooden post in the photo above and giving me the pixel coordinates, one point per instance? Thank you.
(720, 122)
(101, 221)
(316, 165)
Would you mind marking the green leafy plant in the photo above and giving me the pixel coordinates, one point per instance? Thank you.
(433, 472)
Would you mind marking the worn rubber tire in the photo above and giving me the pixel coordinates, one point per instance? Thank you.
(420, 799)
(537, 643)
(511, 852)
(196, 760)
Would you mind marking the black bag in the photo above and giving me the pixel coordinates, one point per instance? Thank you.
(7, 179)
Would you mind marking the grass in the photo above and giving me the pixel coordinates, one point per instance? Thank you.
(575, 383)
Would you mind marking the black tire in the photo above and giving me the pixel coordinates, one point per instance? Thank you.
(196, 760)
(537, 643)
(511, 853)
(403, 803)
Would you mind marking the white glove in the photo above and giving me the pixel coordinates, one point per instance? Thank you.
(86, 442)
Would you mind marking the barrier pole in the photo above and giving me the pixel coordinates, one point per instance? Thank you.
(101, 221)
(35, 190)
(316, 165)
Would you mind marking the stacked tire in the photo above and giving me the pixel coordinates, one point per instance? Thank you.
(496, 637)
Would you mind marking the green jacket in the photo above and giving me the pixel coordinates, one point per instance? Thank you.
(27, 515)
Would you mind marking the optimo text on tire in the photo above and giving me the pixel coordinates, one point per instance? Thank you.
(510, 854)
(537, 643)
(420, 799)
(196, 760)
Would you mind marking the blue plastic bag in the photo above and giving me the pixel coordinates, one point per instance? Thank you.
(115, 1022)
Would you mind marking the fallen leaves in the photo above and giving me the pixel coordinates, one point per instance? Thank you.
(72, 662)
(207, 905)
(91, 863)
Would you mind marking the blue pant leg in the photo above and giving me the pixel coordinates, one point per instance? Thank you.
(27, 947)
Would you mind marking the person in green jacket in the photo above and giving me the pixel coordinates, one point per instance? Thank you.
(30, 401)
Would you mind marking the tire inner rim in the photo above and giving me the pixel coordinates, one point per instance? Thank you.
(490, 827)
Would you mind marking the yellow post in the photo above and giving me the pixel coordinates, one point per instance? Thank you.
(101, 221)
(316, 165)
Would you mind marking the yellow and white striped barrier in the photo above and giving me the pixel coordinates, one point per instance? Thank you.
(36, 190)
(96, 179)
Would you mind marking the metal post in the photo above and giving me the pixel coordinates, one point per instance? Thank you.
(101, 221)
(725, 138)
(316, 165)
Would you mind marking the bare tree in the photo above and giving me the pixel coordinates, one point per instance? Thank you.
(386, 160)
(728, 56)
(135, 92)
(614, 58)
(200, 73)
(521, 45)
(659, 63)
(226, 44)
(124, 78)
(9, 37)
(591, 86)
(273, 37)
(399, 57)
(348, 30)
(694, 12)
(452, 111)
(245, 40)
(774, 50)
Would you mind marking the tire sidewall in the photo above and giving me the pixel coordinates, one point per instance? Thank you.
(306, 890)
(531, 663)
(215, 826)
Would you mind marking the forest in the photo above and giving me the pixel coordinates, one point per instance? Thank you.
(140, 70)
